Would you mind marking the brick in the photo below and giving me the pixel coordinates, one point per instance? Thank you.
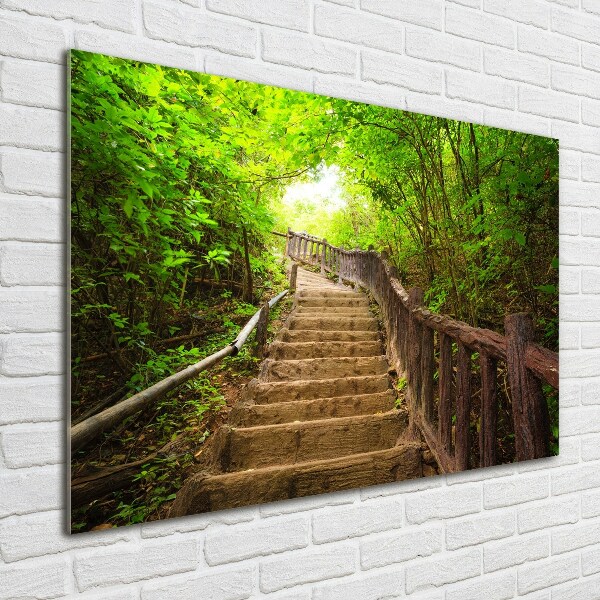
(27, 127)
(590, 278)
(567, 539)
(569, 281)
(359, 28)
(547, 45)
(32, 445)
(113, 14)
(44, 533)
(510, 119)
(19, 38)
(198, 522)
(289, 14)
(576, 479)
(28, 218)
(570, 394)
(569, 165)
(437, 47)
(30, 400)
(586, 589)
(428, 13)
(579, 363)
(443, 504)
(307, 567)
(309, 503)
(573, 193)
(516, 490)
(480, 88)
(296, 50)
(400, 547)
(577, 137)
(590, 336)
(590, 57)
(35, 579)
(33, 83)
(590, 562)
(122, 593)
(123, 45)
(590, 113)
(30, 490)
(369, 587)
(31, 354)
(590, 392)
(33, 172)
(479, 26)
(548, 514)
(190, 27)
(441, 571)
(230, 544)
(569, 222)
(575, 81)
(500, 587)
(260, 72)
(100, 567)
(590, 446)
(408, 73)
(555, 105)
(580, 419)
(590, 6)
(590, 170)
(470, 3)
(26, 310)
(476, 530)
(225, 585)
(531, 578)
(529, 13)
(517, 66)
(576, 25)
(30, 263)
(590, 504)
(569, 336)
(515, 551)
(442, 107)
(355, 520)
(370, 93)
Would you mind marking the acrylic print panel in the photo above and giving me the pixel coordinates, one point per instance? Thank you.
(418, 333)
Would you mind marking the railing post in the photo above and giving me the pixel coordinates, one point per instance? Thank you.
(293, 277)
(530, 410)
(261, 331)
(445, 392)
(288, 238)
(462, 447)
(489, 410)
(323, 252)
(413, 375)
(427, 365)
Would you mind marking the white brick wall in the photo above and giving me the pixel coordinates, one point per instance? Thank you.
(529, 530)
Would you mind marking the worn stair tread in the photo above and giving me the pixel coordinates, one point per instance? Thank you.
(241, 448)
(322, 349)
(332, 335)
(322, 368)
(333, 322)
(203, 493)
(285, 391)
(249, 415)
(335, 292)
(333, 301)
(332, 311)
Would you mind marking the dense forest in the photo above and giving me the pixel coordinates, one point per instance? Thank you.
(178, 180)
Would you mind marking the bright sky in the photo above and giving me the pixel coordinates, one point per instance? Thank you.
(325, 192)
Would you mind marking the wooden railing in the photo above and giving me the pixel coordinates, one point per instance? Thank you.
(424, 346)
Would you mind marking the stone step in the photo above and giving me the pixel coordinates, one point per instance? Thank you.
(204, 492)
(314, 335)
(332, 311)
(335, 292)
(238, 449)
(322, 368)
(288, 391)
(249, 415)
(324, 323)
(333, 301)
(302, 350)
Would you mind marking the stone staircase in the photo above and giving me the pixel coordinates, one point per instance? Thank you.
(319, 418)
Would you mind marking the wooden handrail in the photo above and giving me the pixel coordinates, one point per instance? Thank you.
(89, 429)
(410, 337)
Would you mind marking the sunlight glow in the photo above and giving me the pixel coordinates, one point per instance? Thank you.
(324, 193)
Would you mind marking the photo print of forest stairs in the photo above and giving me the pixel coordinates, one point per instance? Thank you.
(320, 417)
